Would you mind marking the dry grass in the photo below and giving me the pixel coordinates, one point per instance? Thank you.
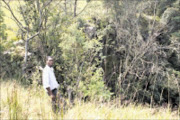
(32, 102)
(105, 111)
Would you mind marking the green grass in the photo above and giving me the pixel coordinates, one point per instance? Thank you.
(32, 102)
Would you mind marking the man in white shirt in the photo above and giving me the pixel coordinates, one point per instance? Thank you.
(49, 81)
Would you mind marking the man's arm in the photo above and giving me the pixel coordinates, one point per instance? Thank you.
(49, 91)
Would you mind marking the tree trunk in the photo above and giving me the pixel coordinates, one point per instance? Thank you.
(26, 53)
(75, 6)
(65, 6)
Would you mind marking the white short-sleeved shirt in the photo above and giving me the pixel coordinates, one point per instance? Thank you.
(49, 79)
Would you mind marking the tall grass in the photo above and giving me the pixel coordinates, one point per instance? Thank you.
(18, 102)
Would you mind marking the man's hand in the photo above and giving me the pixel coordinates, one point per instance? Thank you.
(51, 94)
(53, 97)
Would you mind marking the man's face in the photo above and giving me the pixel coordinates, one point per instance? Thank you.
(50, 62)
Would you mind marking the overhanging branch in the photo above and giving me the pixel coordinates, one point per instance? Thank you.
(32, 36)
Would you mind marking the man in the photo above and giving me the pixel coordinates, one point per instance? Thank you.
(49, 81)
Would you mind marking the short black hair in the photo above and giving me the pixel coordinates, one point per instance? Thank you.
(48, 57)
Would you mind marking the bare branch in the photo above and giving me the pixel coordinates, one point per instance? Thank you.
(46, 4)
(40, 13)
(23, 14)
(33, 36)
(83, 9)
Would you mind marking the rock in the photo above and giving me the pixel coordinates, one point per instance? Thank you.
(168, 14)
(7, 52)
(20, 42)
(90, 31)
(29, 54)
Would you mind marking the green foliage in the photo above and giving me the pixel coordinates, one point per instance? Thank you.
(94, 87)
(79, 55)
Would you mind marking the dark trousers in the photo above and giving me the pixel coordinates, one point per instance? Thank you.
(54, 102)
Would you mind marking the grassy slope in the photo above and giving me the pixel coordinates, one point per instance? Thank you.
(33, 103)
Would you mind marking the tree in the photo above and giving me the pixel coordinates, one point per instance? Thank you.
(27, 32)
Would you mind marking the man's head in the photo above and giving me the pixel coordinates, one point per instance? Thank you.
(49, 61)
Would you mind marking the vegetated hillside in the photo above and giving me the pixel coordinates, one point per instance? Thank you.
(102, 49)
